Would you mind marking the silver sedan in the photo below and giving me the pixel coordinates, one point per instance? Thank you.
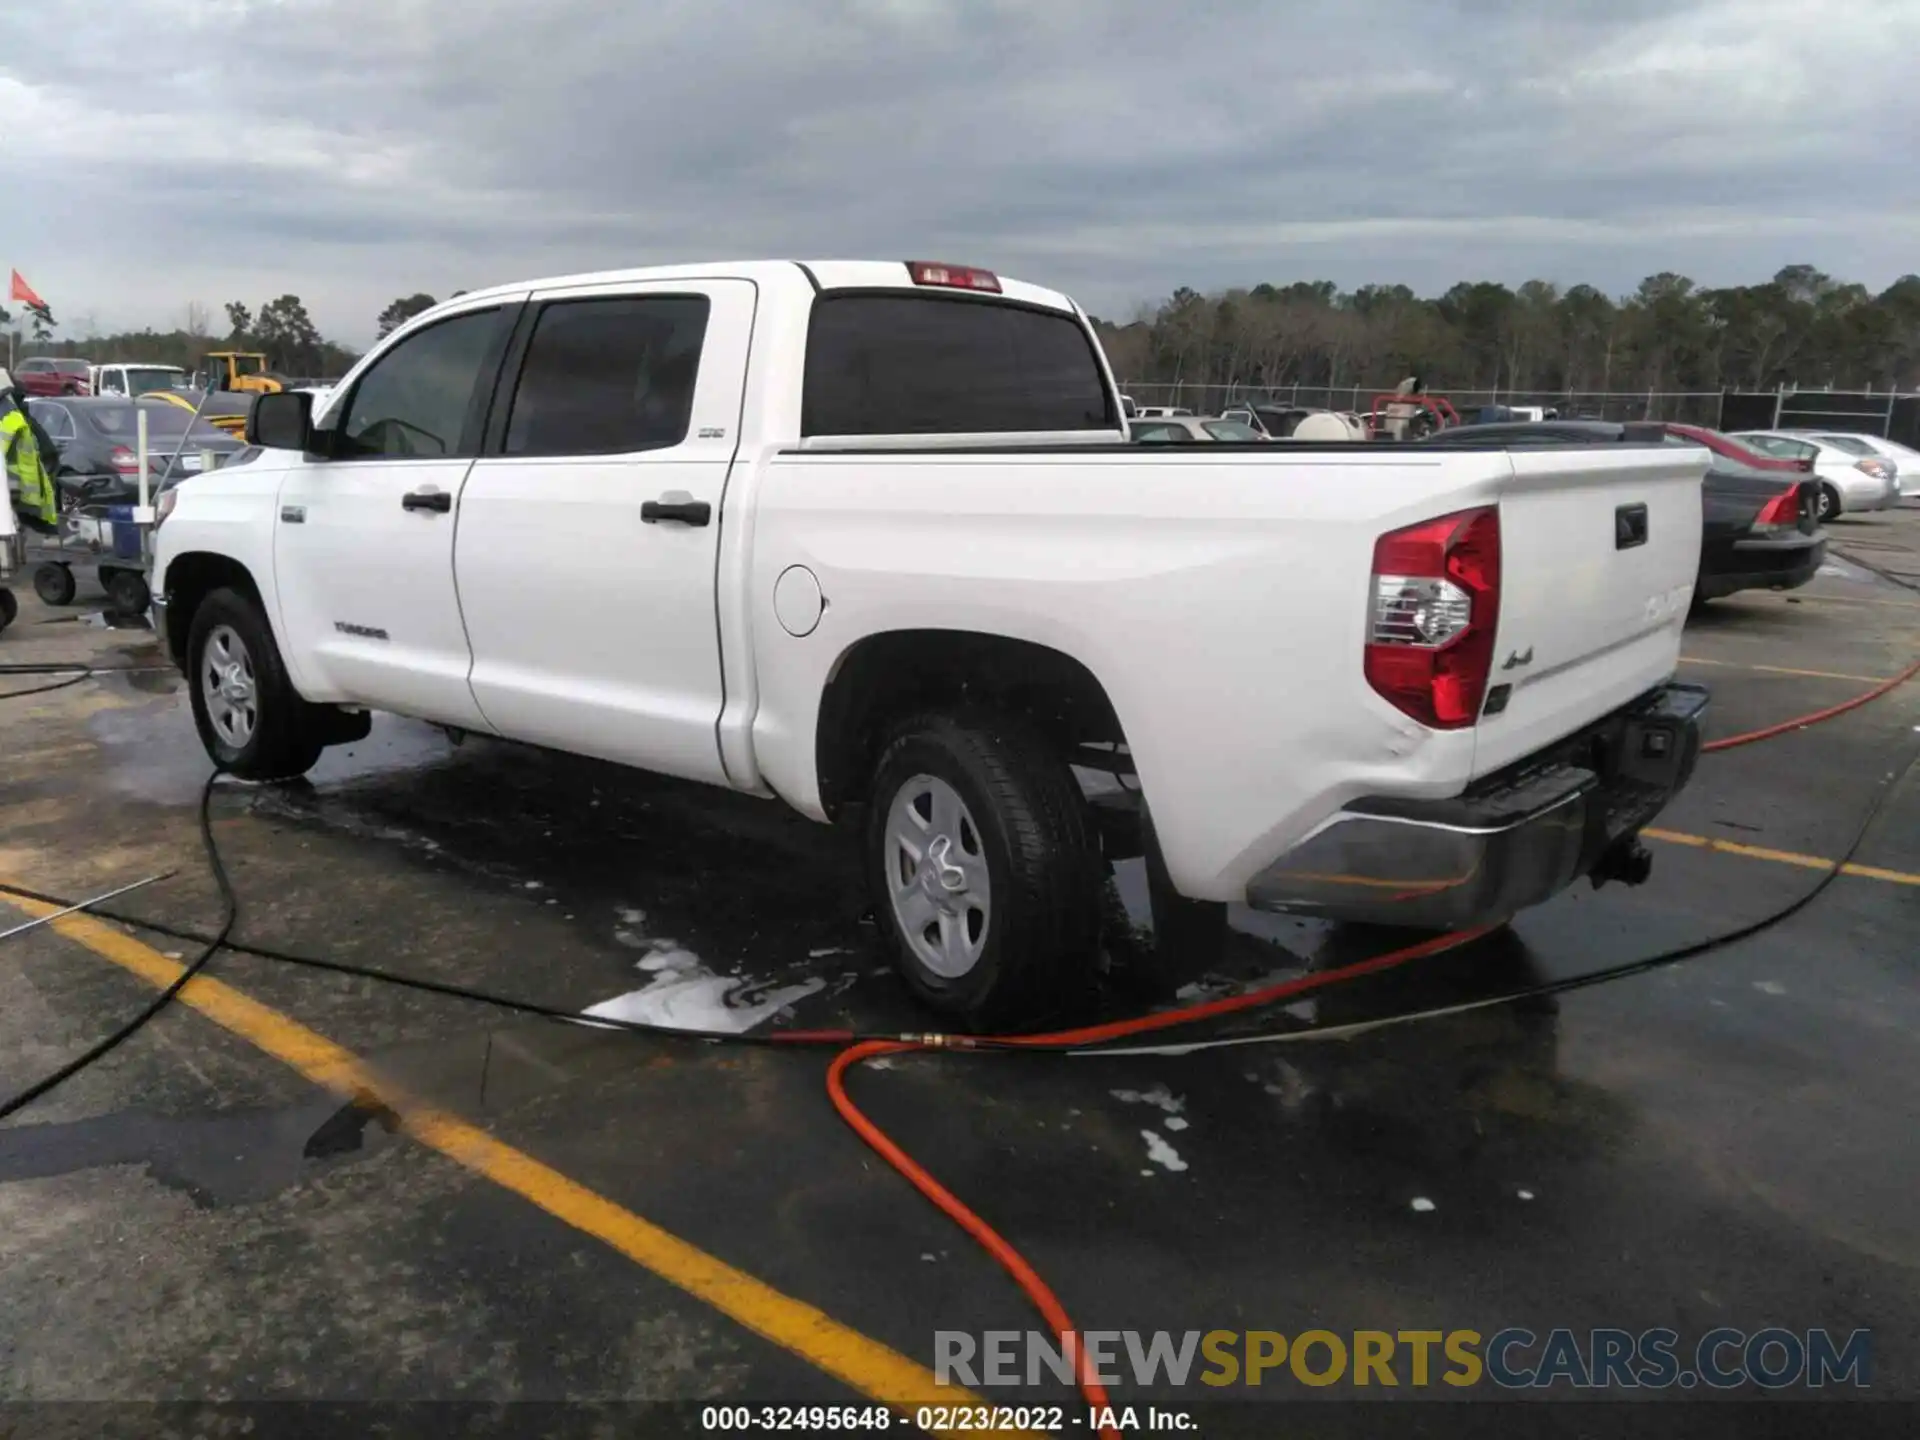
(1850, 474)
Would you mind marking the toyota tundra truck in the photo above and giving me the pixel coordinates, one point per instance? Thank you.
(867, 537)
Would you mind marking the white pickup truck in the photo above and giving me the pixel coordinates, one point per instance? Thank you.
(866, 537)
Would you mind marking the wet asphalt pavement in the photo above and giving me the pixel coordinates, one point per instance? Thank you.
(1726, 1142)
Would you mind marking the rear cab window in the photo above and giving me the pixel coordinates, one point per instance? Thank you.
(908, 363)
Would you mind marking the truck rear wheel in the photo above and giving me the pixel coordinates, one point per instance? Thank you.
(986, 868)
(252, 721)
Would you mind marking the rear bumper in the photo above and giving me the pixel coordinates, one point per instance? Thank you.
(1863, 492)
(1512, 840)
(1762, 563)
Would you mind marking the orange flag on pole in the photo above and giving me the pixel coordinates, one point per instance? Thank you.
(23, 292)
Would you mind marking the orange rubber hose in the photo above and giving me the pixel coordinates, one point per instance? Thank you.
(1802, 721)
(989, 1239)
(1011, 1260)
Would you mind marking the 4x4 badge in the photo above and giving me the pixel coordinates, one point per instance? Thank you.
(1518, 658)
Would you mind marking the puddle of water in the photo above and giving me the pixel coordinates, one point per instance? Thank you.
(237, 1157)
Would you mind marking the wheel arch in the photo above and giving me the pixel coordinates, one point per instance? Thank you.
(191, 577)
(887, 675)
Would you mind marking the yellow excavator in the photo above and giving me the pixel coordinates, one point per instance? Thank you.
(240, 370)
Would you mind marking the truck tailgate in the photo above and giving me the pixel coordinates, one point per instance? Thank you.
(1599, 548)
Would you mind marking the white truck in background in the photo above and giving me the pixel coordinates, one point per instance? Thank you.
(866, 536)
(132, 380)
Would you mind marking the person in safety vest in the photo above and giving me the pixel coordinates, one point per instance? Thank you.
(30, 460)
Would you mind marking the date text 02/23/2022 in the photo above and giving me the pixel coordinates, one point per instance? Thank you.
(946, 1419)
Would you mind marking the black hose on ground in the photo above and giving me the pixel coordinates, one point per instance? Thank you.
(230, 912)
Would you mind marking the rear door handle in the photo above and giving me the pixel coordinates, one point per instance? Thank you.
(438, 501)
(677, 506)
(1629, 527)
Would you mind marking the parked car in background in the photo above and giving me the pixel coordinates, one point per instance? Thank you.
(53, 375)
(1850, 476)
(1866, 446)
(136, 379)
(224, 409)
(1181, 429)
(1905, 458)
(1502, 414)
(98, 443)
(1159, 412)
(1759, 527)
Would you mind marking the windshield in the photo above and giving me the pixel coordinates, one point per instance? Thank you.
(1230, 430)
(141, 380)
(1848, 444)
(164, 422)
(1161, 432)
(1779, 446)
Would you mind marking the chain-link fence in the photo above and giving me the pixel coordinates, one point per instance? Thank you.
(1692, 407)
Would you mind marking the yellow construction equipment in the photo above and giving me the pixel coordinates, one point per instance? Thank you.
(241, 370)
(227, 411)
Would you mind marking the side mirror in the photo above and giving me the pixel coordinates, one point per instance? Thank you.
(281, 421)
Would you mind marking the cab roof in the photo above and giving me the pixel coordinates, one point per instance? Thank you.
(827, 275)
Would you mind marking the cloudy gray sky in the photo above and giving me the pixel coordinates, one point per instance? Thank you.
(354, 150)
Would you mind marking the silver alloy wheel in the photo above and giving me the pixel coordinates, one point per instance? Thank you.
(1829, 503)
(937, 876)
(226, 684)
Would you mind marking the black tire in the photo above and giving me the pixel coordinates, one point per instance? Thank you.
(1025, 818)
(54, 584)
(127, 592)
(286, 734)
(9, 608)
(1827, 504)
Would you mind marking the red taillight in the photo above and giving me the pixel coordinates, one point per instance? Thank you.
(954, 277)
(1434, 607)
(124, 460)
(1783, 510)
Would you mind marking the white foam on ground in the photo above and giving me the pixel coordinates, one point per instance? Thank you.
(1160, 1152)
(1159, 1097)
(685, 995)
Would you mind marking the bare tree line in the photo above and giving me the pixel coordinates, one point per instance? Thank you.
(1801, 327)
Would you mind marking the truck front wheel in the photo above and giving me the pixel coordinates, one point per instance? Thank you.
(252, 721)
(986, 868)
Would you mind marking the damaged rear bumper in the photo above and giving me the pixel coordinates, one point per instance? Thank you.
(1513, 839)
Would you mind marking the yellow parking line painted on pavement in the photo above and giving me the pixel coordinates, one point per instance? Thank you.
(1780, 857)
(873, 1369)
(1782, 670)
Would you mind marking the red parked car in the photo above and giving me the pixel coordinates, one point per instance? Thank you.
(1739, 451)
(47, 376)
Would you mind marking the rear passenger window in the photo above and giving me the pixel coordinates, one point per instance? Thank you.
(606, 377)
(926, 365)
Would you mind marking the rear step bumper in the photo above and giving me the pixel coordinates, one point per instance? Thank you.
(1512, 840)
